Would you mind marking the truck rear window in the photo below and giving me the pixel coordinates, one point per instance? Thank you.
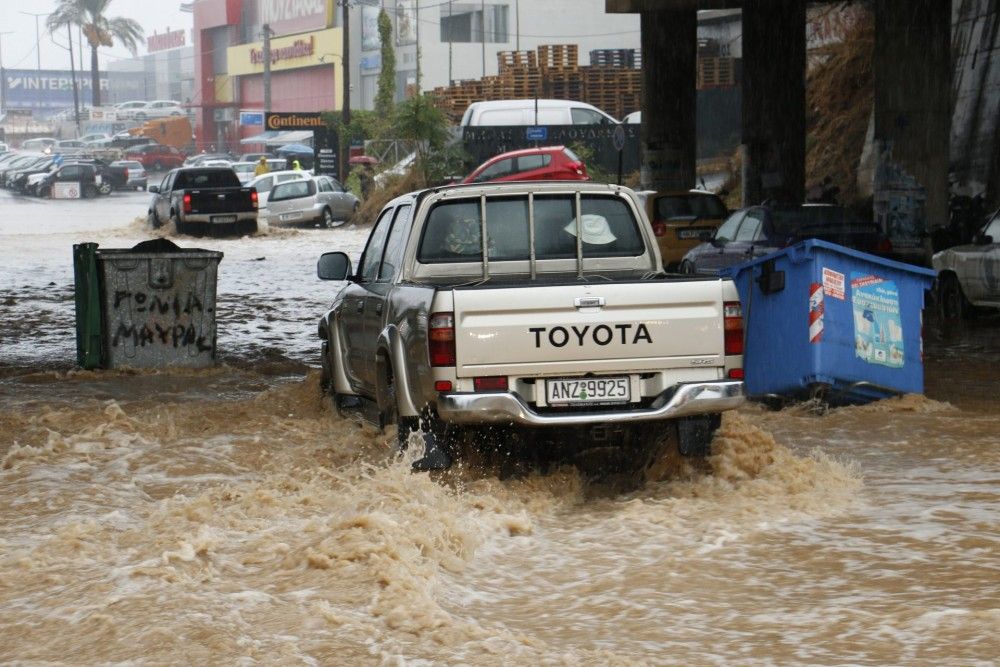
(454, 229)
(214, 178)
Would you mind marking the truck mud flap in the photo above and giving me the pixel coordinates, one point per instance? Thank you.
(694, 434)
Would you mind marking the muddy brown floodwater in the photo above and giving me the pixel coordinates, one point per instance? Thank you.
(228, 516)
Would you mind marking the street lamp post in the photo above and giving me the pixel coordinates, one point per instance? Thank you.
(38, 38)
(3, 76)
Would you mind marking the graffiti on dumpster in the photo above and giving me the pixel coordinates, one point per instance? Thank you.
(170, 321)
(878, 329)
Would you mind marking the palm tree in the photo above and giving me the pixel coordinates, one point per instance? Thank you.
(99, 30)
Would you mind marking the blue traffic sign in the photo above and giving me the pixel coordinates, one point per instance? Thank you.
(537, 133)
(252, 118)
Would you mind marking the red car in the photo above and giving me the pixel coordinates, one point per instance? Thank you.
(156, 157)
(548, 163)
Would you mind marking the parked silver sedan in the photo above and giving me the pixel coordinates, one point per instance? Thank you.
(969, 275)
(318, 200)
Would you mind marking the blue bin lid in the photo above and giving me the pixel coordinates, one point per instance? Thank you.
(804, 250)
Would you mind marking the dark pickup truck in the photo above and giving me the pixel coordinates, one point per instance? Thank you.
(204, 200)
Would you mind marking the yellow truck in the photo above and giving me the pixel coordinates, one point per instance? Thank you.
(173, 131)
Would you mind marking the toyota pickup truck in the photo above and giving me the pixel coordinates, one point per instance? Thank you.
(200, 200)
(532, 309)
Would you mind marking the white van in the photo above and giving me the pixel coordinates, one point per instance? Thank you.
(534, 112)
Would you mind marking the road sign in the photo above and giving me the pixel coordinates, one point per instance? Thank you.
(537, 133)
(252, 118)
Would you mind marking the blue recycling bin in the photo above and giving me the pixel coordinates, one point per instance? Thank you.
(824, 320)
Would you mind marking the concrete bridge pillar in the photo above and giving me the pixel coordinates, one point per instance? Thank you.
(912, 120)
(669, 50)
(774, 100)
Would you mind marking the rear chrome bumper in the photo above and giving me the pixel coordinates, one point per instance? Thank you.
(684, 400)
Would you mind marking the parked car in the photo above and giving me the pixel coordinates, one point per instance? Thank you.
(17, 179)
(156, 157)
(319, 200)
(682, 220)
(969, 275)
(83, 176)
(548, 163)
(18, 162)
(159, 109)
(265, 182)
(41, 144)
(127, 110)
(100, 138)
(760, 230)
(136, 173)
(204, 199)
(245, 171)
(200, 158)
(70, 146)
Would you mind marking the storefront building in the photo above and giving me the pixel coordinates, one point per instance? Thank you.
(305, 47)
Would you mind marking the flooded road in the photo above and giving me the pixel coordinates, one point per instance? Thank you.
(228, 516)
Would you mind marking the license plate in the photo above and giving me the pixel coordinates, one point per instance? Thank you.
(588, 390)
(223, 218)
(693, 233)
(291, 216)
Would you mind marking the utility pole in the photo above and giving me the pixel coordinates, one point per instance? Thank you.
(267, 68)
(482, 31)
(451, 77)
(345, 62)
(416, 23)
(38, 39)
(72, 69)
(3, 76)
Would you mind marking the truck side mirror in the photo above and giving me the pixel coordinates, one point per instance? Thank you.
(333, 266)
(154, 189)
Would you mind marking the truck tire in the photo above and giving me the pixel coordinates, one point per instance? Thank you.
(179, 226)
(154, 220)
(437, 454)
(687, 268)
(105, 188)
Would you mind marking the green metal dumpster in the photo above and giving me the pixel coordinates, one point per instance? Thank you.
(156, 303)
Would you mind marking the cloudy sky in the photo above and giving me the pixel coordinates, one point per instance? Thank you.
(18, 31)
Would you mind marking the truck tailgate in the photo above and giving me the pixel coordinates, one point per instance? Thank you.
(559, 329)
(228, 200)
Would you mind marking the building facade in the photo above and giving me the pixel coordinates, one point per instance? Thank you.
(305, 63)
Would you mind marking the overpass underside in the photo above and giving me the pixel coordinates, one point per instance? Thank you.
(912, 111)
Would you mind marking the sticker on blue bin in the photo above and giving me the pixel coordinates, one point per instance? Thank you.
(878, 328)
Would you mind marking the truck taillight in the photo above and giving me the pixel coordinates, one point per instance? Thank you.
(659, 228)
(441, 339)
(253, 197)
(187, 203)
(732, 317)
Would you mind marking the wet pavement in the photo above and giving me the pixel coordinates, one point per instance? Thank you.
(228, 516)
